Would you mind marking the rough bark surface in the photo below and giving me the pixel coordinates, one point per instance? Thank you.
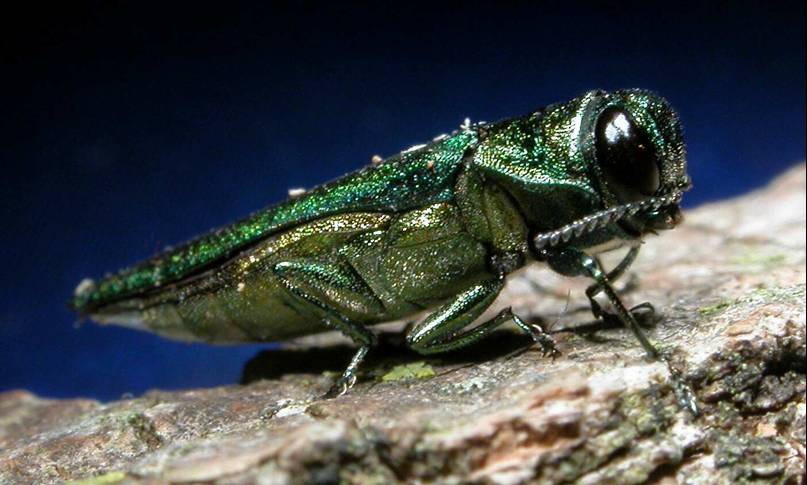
(729, 289)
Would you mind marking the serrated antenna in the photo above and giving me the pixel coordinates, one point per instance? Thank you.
(601, 219)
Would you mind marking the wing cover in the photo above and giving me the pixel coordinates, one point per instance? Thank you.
(411, 179)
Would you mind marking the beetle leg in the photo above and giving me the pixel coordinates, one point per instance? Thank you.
(571, 261)
(617, 272)
(574, 262)
(317, 289)
(612, 276)
(594, 269)
(442, 331)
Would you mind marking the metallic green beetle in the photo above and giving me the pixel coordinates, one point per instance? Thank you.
(438, 226)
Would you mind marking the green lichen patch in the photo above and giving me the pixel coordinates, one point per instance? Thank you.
(104, 479)
(144, 430)
(787, 295)
(711, 310)
(745, 457)
(409, 372)
(755, 258)
(781, 294)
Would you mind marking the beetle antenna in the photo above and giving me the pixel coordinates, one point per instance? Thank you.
(601, 219)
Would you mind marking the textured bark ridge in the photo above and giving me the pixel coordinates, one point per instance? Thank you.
(729, 289)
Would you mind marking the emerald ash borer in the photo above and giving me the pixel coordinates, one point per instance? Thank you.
(437, 227)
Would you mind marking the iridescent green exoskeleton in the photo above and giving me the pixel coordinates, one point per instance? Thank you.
(437, 227)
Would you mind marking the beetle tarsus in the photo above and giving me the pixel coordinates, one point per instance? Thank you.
(684, 394)
(348, 377)
(341, 386)
(538, 334)
(644, 314)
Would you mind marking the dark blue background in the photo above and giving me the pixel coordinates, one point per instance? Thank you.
(128, 127)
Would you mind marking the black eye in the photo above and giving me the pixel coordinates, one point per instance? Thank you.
(626, 156)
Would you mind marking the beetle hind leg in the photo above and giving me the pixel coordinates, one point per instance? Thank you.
(538, 334)
(327, 291)
(445, 329)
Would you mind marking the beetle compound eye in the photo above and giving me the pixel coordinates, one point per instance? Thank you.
(626, 156)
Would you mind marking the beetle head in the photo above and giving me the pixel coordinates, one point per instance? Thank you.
(635, 148)
(599, 159)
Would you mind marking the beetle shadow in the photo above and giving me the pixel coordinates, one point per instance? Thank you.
(391, 350)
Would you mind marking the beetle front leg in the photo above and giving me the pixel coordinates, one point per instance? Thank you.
(684, 393)
(571, 261)
(574, 262)
(442, 331)
(315, 289)
(593, 268)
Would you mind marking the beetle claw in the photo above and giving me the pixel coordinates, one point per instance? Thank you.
(644, 313)
(341, 386)
(547, 343)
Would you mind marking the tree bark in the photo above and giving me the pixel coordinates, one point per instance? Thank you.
(729, 290)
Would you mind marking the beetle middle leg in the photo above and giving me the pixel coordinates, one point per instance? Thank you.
(646, 308)
(328, 291)
(443, 330)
